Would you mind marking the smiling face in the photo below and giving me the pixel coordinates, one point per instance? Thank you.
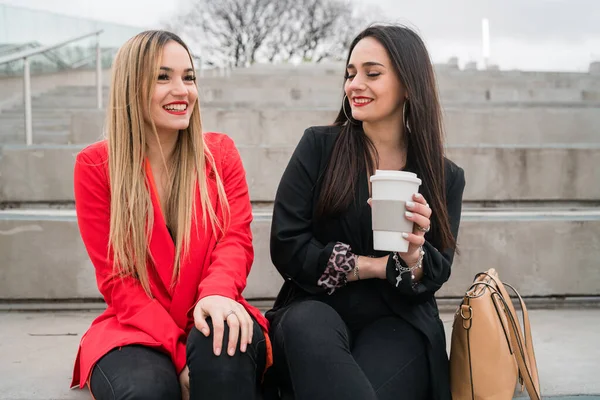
(175, 92)
(373, 88)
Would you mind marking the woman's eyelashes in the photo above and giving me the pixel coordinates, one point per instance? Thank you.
(370, 75)
(187, 78)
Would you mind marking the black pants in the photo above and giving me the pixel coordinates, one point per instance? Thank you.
(317, 357)
(138, 372)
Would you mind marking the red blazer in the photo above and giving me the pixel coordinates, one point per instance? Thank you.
(212, 268)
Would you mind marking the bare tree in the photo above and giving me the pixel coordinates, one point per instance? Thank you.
(230, 31)
(354, 19)
(310, 28)
(323, 19)
(282, 44)
(242, 32)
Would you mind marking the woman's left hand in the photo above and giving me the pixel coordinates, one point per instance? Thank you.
(418, 211)
(223, 309)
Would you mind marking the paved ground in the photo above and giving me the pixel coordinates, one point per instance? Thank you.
(37, 351)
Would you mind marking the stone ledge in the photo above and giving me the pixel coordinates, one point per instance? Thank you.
(32, 341)
(43, 258)
(493, 173)
(465, 123)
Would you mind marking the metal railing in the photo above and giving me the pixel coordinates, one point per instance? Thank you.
(27, 54)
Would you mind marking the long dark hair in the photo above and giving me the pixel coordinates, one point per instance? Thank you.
(353, 150)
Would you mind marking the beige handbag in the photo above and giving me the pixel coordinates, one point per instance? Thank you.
(489, 356)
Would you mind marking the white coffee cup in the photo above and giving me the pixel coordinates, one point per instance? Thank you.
(390, 192)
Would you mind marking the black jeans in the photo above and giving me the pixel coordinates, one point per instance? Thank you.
(316, 357)
(138, 372)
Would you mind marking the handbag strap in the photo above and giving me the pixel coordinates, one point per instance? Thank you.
(528, 337)
(523, 348)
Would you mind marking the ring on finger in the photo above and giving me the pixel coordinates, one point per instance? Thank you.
(229, 313)
(424, 229)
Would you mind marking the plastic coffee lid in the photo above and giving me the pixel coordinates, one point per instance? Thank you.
(381, 175)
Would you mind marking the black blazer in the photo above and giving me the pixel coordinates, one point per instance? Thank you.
(302, 244)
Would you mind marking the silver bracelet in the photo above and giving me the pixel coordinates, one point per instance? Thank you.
(402, 269)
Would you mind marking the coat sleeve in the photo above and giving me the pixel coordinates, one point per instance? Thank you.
(132, 306)
(436, 264)
(233, 254)
(295, 252)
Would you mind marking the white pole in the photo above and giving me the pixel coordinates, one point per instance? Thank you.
(98, 73)
(485, 36)
(27, 90)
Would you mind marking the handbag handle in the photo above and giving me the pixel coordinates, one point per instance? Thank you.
(523, 353)
(523, 346)
(526, 325)
(525, 356)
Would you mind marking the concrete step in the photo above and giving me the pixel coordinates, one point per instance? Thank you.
(37, 115)
(50, 104)
(464, 126)
(221, 89)
(447, 78)
(39, 129)
(493, 173)
(77, 92)
(483, 125)
(40, 137)
(52, 338)
(543, 253)
(6, 125)
(77, 89)
(18, 110)
(326, 91)
(60, 126)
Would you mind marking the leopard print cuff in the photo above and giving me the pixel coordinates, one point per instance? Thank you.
(341, 261)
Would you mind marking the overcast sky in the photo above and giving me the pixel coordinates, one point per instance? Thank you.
(525, 34)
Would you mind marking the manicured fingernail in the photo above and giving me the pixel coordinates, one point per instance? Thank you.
(231, 351)
(218, 351)
(405, 235)
(409, 214)
(410, 204)
(243, 348)
(418, 195)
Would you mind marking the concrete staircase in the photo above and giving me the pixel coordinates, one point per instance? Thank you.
(529, 143)
(53, 113)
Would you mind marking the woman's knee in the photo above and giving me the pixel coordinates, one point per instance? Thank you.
(134, 372)
(203, 346)
(137, 385)
(309, 322)
(202, 360)
(161, 389)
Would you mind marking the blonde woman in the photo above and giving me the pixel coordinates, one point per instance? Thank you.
(164, 214)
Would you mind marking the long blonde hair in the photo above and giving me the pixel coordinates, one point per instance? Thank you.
(134, 74)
